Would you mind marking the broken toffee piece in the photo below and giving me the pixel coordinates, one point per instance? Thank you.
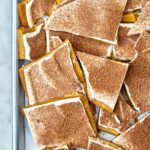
(61, 121)
(56, 71)
(143, 43)
(103, 24)
(143, 22)
(136, 137)
(84, 44)
(125, 50)
(118, 121)
(104, 79)
(32, 42)
(137, 82)
(30, 11)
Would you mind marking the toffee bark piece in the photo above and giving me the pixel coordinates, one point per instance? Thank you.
(133, 5)
(100, 144)
(137, 82)
(136, 137)
(143, 43)
(143, 22)
(84, 44)
(32, 43)
(60, 121)
(98, 19)
(52, 76)
(104, 79)
(30, 11)
(118, 121)
(125, 49)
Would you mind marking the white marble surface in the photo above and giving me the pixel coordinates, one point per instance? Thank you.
(5, 76)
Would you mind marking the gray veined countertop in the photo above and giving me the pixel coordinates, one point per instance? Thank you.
(5, 76)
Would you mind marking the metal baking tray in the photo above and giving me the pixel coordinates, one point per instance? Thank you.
(22, 139)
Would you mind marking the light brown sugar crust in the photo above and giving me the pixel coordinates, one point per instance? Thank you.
(118, 121)
(133, 5)
(84, 44)
(125, 49)
(39, 88)
(137, 82)
(71, 130)
(30, 11)
(136, 137)
(143, 22)
(104, 15)
(101, 144)
(104, 79)
(143, 43)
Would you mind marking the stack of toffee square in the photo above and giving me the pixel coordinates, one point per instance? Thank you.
(86, 55)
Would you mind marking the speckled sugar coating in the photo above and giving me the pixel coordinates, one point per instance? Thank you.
(137, 137)
(143, 2)
(52, 42)
(84, 44)
(59, 122)
(137, 82)
(52, 76)
(143, 22)
(143, 43)
(98, 19)
(100, 144)
(63, 147)
(125, 49)
(133, 5)
(35, 9)
(120, 119)
(35, 43)
(104, 78)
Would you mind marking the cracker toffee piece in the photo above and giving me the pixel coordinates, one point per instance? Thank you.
(143, 22)
(84, 44)
(58, 122)
(125, 49)
(98, 19)
(100, 144)
(143, 43)
(52, 76)
(137, 82)
(136, 137)
(104, 79)
(32, 42)
(32, 10)
(118, 121)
